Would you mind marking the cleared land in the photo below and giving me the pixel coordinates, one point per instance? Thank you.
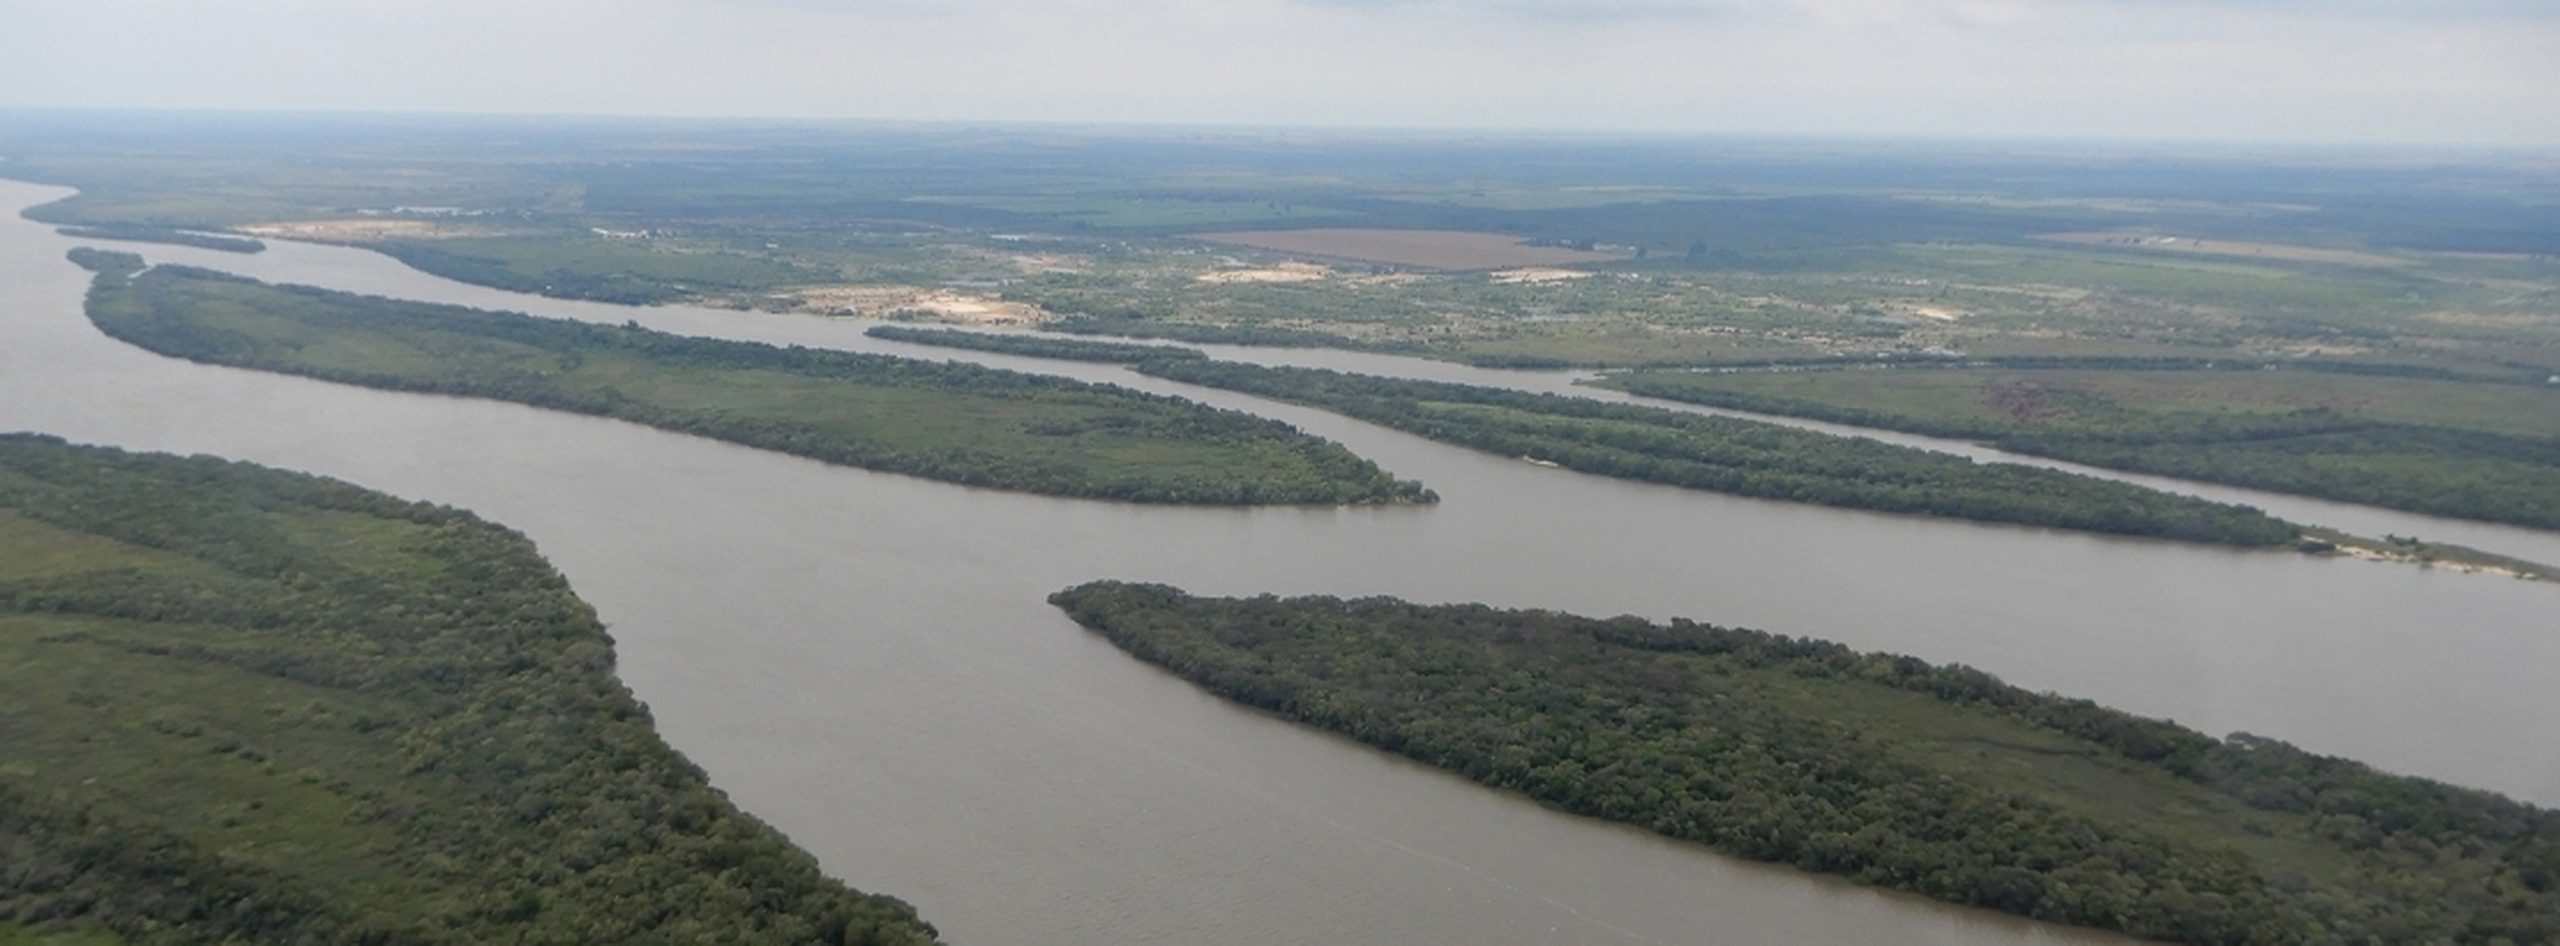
(1428, 249)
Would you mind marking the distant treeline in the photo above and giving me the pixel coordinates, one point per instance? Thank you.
(143, 234)
(947, 421)
(1033, 346)
(2382, 369)
(1938, 780)
(251, 706)
(1140, 326)
(2444, 471)
(1743, 457)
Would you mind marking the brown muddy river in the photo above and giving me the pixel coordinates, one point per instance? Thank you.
(866, 661)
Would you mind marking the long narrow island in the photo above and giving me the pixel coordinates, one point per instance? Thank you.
(1677, 448)
(1938, 780)
(954, 422)
(249, 706)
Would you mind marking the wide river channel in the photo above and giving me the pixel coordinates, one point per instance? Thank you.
(866, 661)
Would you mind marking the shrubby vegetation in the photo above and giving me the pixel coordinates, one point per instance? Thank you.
(142, 234)
(250, 706)
(2475, 456)
(1744, 457)
(1939, 780)
(954, 422)
(1034, 346)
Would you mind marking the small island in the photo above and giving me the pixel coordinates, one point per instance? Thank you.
(251, 706)
(136, 233)
(953, 422)
(1938, 780)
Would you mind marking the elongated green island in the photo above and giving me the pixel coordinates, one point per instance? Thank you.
(2442, 445)
(954, 422)
(1033, 346)
(1938, 780)
(170, 235)
(1725, 455)
(239, 705)
(1744, 457)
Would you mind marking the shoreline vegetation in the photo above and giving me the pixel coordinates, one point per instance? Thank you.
(175, 237)
(1033, 346)
(1933, 779)
(1742, 457)
(952, 422)
(2484, 450)
(250, 705)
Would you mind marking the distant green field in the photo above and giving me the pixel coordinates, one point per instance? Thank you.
(2468, 449)
(954, 422)
(250, 706)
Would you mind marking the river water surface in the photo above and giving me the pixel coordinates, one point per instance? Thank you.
(866, 661)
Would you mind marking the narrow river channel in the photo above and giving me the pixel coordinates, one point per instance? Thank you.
(866, 660)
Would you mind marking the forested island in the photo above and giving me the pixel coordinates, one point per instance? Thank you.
(2423, 441)
(1033, 346)
(1743, 457)
(954, 422)
(1939, 780)
(136, 233)
(252, 706)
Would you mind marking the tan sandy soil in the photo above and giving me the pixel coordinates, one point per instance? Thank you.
(1285, 272)
(1533, 275)
(939, 305)
(1427, 249)
(1935, 313)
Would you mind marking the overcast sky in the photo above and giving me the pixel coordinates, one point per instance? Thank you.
(2374, 71)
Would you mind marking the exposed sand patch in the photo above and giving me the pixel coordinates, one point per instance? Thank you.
(919, 303)
(1533, 275)
(1285, 272)
(1935, 313)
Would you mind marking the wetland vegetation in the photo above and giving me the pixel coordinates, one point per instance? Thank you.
(246, 705)
(1935, 779)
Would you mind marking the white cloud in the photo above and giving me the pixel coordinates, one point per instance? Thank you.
(2478, 70)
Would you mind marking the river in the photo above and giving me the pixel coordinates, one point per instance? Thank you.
(866, 661)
